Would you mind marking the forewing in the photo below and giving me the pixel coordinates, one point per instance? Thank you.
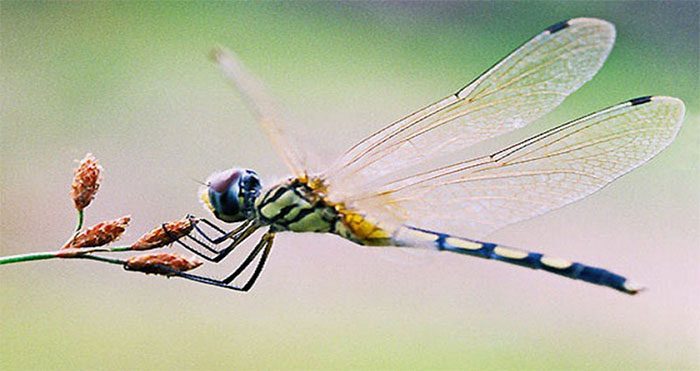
(263, 107)
(527, 84)
(550, 170)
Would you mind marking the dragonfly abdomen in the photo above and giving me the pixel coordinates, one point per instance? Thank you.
(411, 236)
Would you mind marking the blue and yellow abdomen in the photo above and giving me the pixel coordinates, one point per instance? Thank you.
(416, 237)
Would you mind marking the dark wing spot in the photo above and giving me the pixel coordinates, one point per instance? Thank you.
(558, 27)
(640, 100)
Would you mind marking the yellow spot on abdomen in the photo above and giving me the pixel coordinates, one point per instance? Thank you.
(456, 242)
(363, 230)
(555, 262)
(510, 253)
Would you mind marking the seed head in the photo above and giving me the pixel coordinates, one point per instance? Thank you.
(159, 238)
(100, 233)
(86, 181)
(163, 263)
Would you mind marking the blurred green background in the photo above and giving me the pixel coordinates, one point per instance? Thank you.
(131, 83)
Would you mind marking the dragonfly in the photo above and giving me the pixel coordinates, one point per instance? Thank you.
(374, 195)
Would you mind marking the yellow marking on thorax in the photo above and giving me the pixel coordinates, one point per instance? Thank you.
(315, 183)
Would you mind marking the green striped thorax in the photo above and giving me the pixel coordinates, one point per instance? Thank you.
(230, 194)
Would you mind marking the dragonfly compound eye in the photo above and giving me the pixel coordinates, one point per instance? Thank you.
(230, 194)
(249, 187)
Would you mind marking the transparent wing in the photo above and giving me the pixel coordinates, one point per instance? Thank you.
(263, 107)
(542, 173)
(527, 84)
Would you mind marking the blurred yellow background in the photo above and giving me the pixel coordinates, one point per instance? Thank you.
(131, 83)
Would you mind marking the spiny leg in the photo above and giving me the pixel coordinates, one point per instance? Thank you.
(238, 235)
(264, 245)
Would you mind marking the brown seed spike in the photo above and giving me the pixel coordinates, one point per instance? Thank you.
(159, 238)
(162, 263)
(86, 182)
(100, 234)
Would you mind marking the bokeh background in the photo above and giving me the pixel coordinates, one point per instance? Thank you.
(131, 83)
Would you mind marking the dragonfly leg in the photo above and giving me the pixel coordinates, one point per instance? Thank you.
(223, 235)
(264, 246)
(237, 236)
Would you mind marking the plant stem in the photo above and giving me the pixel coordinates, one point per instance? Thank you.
(79, 223)
(55, 254)
(27, 257)
(78, 227)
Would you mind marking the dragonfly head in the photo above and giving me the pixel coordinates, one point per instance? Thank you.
(231, 194)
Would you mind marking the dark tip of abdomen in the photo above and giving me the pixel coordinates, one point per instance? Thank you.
(640, 100)
(558, 27)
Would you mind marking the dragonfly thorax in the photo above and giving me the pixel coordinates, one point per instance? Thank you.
(300, 205)
(230, 194)
(295, 206)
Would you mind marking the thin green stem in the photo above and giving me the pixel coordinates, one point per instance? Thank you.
(84, 253)
(78, 227)
(27, 257)
(79, 223)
